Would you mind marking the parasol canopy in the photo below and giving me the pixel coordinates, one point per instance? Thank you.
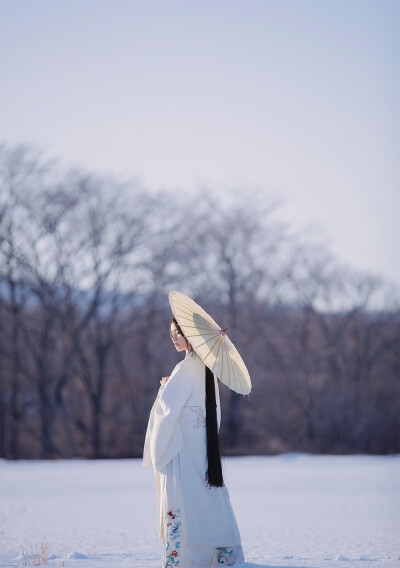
(210, 342)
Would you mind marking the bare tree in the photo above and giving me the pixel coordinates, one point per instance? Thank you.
(85, 267)
(20, 172)
(234, 247)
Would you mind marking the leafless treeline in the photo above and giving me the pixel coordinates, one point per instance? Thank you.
(85, 267)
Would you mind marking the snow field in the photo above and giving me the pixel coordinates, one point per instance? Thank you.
(293, 510)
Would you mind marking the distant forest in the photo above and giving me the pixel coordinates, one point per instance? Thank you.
(86, 263)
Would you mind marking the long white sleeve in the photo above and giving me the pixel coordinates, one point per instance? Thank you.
(164, 437)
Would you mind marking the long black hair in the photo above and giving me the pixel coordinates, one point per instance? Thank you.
(214, 471)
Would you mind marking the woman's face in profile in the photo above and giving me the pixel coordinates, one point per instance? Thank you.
(177, 338)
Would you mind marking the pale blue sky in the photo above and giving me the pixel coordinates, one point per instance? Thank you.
(299, 98)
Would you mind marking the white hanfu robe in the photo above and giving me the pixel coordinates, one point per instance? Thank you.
(196, 521)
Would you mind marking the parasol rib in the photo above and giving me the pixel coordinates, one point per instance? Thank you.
(202, 335)
(231, 373)
(210, 349)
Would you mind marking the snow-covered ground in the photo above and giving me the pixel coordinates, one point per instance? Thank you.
(293, 510)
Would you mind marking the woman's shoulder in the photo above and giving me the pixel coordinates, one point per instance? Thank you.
(192, 360)
(185, 376)
(191, 364)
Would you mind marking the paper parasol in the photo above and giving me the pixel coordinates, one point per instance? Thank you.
(210, 342)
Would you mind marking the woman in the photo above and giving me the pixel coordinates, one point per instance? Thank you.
(196, 521)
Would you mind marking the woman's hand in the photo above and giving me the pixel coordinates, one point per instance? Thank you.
(164, 380)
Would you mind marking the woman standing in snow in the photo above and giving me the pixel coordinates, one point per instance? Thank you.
(196, 521)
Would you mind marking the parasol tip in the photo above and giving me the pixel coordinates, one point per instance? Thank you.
(223, 331)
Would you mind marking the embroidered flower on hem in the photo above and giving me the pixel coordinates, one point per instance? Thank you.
(173, 533)
(226, 556)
